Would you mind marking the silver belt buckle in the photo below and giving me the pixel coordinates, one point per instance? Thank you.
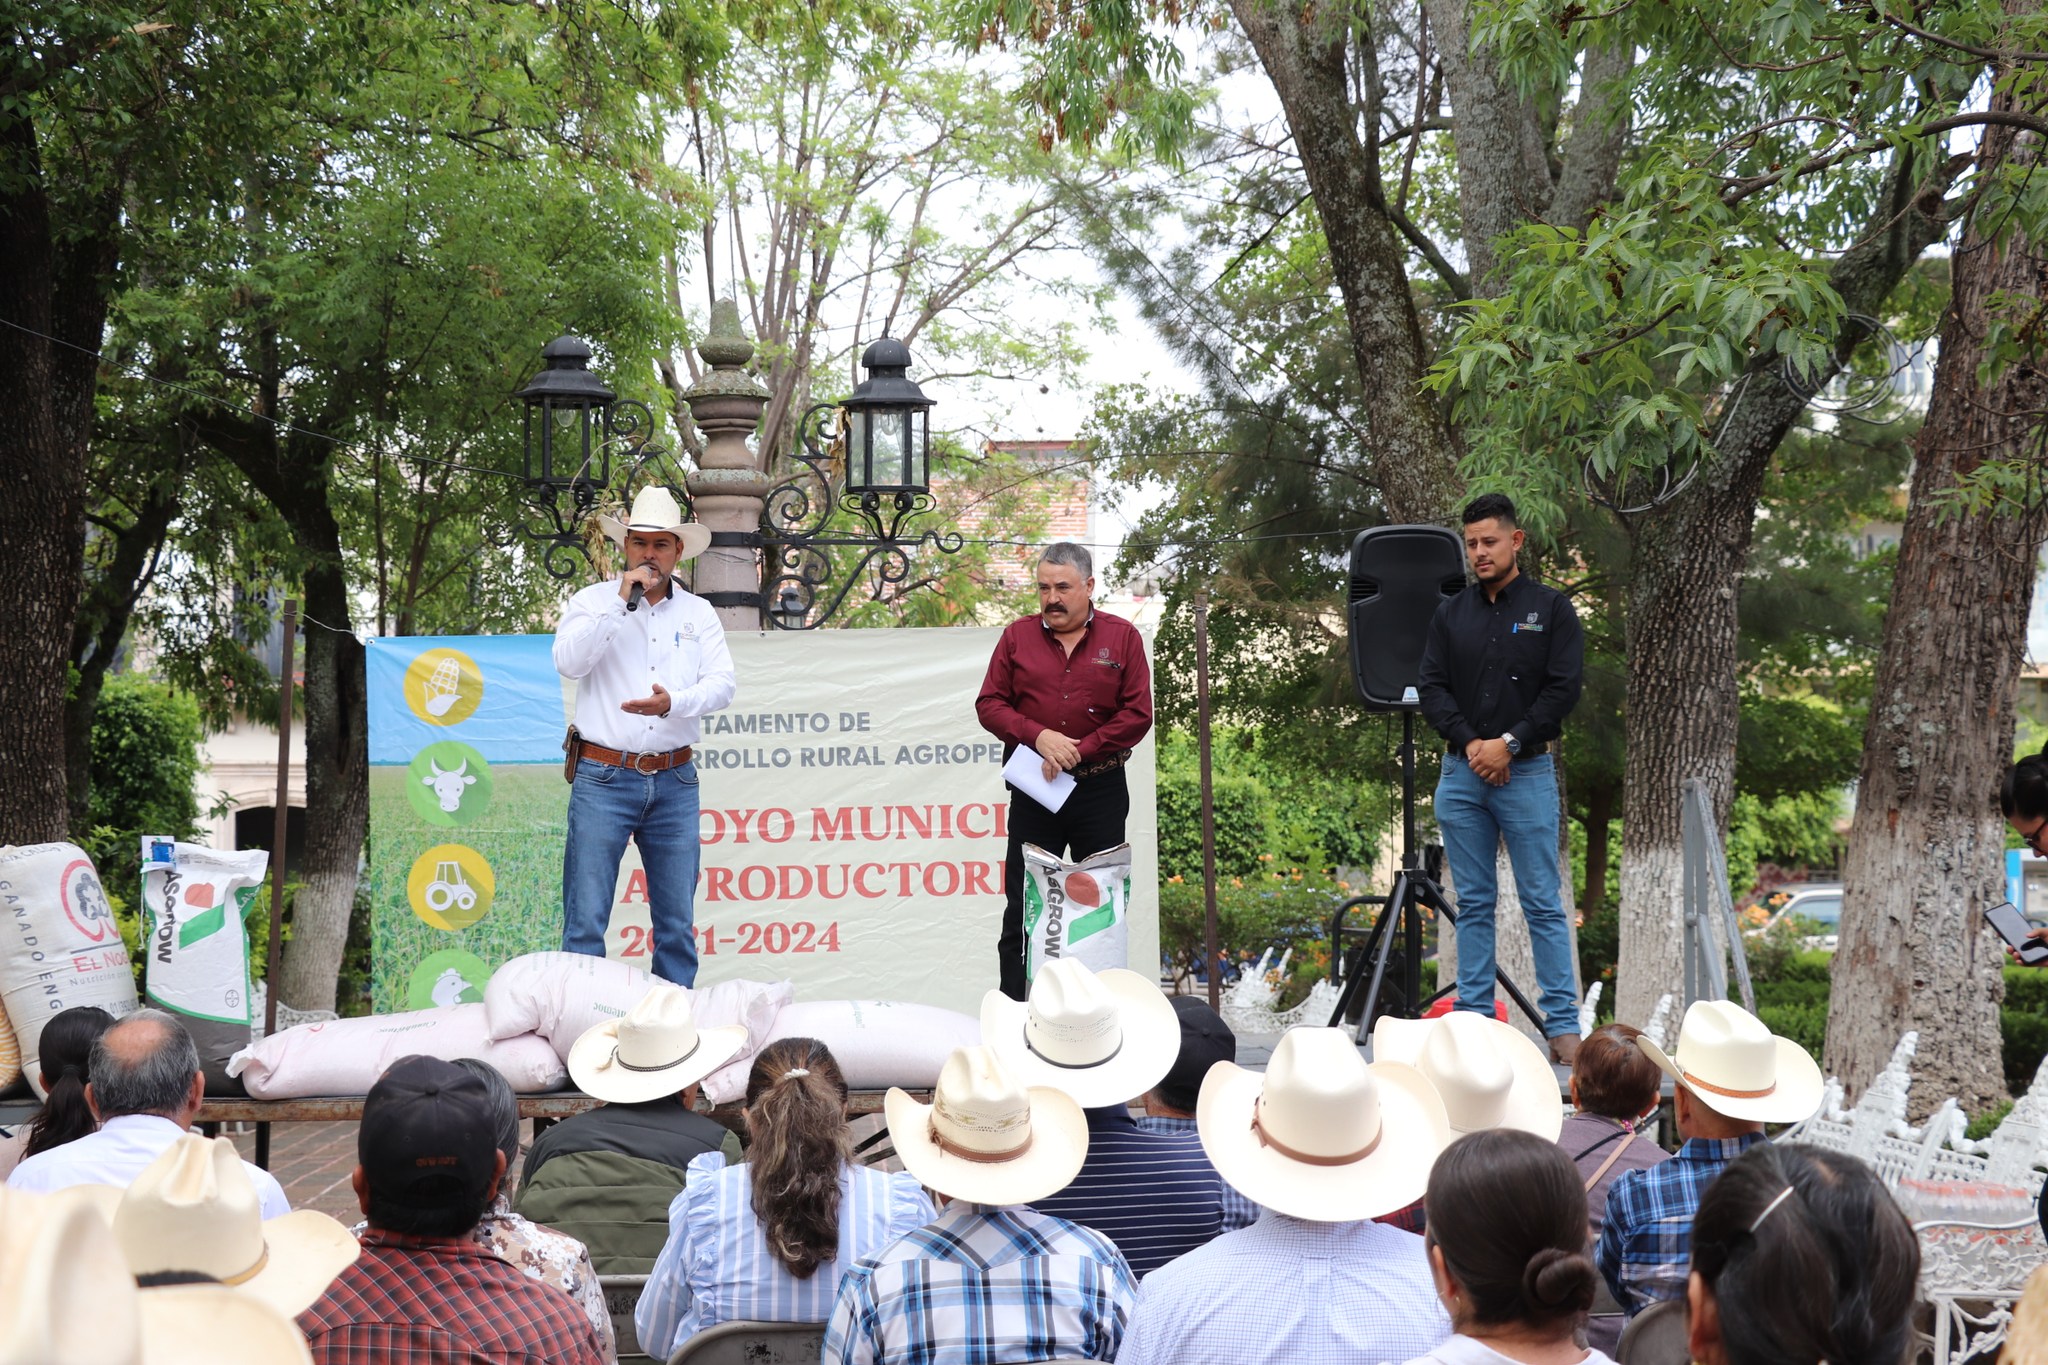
(640, 763)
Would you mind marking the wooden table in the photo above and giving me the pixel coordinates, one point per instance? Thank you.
(543, 1109)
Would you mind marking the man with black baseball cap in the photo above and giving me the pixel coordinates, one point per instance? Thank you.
(1170, 1105)
(423, 1292)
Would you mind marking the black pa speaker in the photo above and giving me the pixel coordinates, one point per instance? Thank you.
(1398, 576)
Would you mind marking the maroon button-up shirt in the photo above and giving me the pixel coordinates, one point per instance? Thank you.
(444, 1301)
(1100, 696)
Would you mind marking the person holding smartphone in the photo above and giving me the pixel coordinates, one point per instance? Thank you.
(2023, 798)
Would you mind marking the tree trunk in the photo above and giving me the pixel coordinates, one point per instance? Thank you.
(56, 289)
(1686, 564)
(291, 474)
(1599, 833)
(1503, 161)
(1926, 846)
(1409, 454)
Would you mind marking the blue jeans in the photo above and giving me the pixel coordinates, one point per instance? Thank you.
(659, 812)
(1475, 818)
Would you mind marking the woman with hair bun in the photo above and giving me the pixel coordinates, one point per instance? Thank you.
(63, 1052)
(1507, 1246)
(1800, 1255)
(766, 1240)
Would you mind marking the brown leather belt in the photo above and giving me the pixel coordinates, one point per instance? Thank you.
(639, 763)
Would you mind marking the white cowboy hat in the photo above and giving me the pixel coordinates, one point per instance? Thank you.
(1488, 1074)
(656, 1050)
(985, 1138)
(67, 1298)
(654, 509)
(1735, 1066)
(195, 1208)
(1322, 1135)
(1103, 1037)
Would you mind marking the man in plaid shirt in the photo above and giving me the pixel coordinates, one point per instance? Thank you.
(423, 1292)
(1731, 1076)
(989, 1280)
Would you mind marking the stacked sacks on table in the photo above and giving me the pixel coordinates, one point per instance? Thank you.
(562, 996)
(195, 945)
(878, 1043)
(346, 1056)
(60, 947)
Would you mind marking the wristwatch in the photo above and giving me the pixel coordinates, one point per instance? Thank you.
(1514, 745)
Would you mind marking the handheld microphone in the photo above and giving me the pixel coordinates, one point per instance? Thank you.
(636, 595)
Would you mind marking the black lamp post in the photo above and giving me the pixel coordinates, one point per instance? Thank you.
(888, 437)
(573, 422)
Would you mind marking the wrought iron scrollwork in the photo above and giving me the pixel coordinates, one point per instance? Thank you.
(562, 527)
(797, 513)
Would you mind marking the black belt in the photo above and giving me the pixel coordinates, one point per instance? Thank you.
(1528, 751)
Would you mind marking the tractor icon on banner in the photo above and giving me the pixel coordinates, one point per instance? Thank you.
(448, 891)
(450, 887)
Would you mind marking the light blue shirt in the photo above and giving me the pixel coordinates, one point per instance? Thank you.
(716, 1266)
(1291, 1292)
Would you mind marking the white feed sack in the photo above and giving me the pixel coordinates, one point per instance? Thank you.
(59, 946)
(195, 944)
(346, 1056)
(881, 1043)
(1079, 910)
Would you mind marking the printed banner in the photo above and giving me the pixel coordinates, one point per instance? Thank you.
(854, 819)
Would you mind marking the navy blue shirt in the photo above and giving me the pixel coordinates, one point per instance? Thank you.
(1511, 666)
(1152, 1193)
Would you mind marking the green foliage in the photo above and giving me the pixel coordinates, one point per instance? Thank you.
(145, 758)
(1982, 1126)
(1281, 910)
(1268, 810)
(1793, 831)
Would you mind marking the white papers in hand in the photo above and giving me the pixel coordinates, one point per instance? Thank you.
(1025, 772)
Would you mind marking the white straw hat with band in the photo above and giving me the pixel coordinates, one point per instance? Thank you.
(655, 511)
(1321, 1135)
(1737, 1067)
(1103, 1037)
(1488, 1074)
(986, 1138)
(655, 1050)
(67, 1298)
(195, 1208)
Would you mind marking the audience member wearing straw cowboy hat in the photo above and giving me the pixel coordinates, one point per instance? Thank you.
(989, 1279)
(194, 1209)
(1107, 1038)
(67, 1298)
(1324, 1143)
(646, 672)
(1488, 1074)
(423, 1291)
(1733, 1076)
(607, 1177)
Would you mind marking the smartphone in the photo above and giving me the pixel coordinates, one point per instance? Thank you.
(2012, 926)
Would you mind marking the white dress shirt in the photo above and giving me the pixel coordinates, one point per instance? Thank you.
(617, 656)
(119, 1152)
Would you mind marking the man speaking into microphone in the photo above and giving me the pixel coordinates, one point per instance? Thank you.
(649, 659)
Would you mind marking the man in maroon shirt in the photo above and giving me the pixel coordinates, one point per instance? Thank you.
(1072, 685)
(423, 1292)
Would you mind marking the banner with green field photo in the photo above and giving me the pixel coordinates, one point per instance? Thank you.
(854, 819)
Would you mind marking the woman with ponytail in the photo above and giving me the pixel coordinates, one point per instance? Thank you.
(766, 1240)
(63, 1051)
(1799, 1255)
(1507, 1247)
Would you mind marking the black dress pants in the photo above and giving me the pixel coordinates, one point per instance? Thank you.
(1091, 820)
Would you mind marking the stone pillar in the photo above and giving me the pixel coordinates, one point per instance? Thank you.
(729, 486)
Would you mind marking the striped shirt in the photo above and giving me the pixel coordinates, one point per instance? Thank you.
(1645, 1250)
(1238, 1211)
(717, 1267)
(1154, 1194)
(1291, 1292)
(984, 1285)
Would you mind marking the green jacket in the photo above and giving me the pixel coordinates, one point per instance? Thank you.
(616, 1205)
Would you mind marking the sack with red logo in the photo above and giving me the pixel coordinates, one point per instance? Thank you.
(195, 944)
(59, 944)
(1079, 910)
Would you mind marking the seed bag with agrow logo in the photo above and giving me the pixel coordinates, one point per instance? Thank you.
(195, 944)
(1079, 910)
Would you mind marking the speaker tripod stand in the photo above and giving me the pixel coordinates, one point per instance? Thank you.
(1414, 888)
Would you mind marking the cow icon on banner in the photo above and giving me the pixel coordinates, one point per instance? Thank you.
(448, 783)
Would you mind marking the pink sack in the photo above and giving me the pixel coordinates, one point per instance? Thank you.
(346, 1056)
